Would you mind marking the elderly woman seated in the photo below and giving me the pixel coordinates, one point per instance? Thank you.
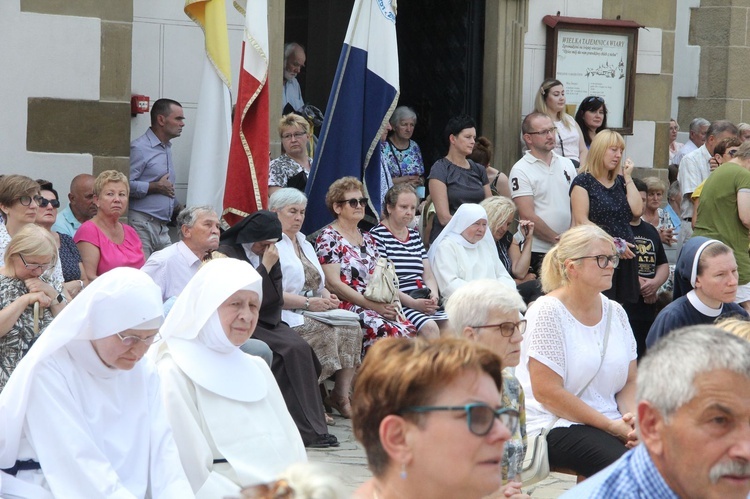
(228, 415)
(30, 253)
(294, 364)
(490, 314)
(430, 417)
(82, 415)
(308, 304)
(348, 258)
(464, 251)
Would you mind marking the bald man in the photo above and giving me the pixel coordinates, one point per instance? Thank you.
(81, 205)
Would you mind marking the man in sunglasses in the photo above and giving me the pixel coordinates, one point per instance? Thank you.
(693, 421)
(81, 205)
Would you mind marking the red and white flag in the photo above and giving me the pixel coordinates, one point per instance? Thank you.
(246, 189)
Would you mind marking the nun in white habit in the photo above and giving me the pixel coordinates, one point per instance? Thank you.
(465, 251)
(82, 414)
(230, 421)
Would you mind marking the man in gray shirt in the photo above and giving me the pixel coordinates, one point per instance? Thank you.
(152, 176)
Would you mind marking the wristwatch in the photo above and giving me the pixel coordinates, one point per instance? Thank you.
(61, 298)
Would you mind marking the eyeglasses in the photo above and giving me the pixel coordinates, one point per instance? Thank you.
(602, 260)
(507, 328)
(732, 152)
(34, 266)
(296, 135)
(43, 202)
(548, 131)
(479, 416)
(129, 341)
(26, 200)
(354, 202)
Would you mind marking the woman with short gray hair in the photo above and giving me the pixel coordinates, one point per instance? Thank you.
(337, 347)
(401, 154)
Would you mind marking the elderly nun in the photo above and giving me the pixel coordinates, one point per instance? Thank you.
(230, 422)
(82, 414)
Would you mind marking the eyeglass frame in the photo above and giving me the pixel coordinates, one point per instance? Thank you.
(296, 135)
(613, 259)
(29, 198)
(44, 267)
(353, 203)
(519, 326)
(147, 341)
(511, 424)
(42, 202)
(548, 131)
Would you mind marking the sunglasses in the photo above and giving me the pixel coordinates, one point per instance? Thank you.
(603, 260)
(507, 328)
(43, 202)
(592, 98)
(479, 416)
(732, 152)
(355, 202)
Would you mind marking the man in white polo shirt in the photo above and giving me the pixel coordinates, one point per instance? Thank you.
(540, 185)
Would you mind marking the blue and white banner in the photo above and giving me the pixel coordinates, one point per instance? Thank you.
(364, 94)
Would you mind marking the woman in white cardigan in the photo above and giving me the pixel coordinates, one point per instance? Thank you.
(227, 413)
(338, 347)
(465, 251)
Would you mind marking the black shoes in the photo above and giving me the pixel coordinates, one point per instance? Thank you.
(323, 441)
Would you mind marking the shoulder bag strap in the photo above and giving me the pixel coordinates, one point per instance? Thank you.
(610, 312)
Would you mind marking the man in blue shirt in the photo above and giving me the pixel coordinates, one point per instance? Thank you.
(81, 205)
(152, 176)
(693, 420)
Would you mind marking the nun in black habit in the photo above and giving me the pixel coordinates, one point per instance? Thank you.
(295, 366)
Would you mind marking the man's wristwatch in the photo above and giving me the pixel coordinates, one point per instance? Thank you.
(61, 298)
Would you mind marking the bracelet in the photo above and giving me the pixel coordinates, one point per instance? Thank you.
(81, 284)
(307, 303)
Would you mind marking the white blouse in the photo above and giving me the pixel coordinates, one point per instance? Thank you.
(573, 351)
(293, 274)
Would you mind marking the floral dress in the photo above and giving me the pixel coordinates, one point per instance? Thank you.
(357, 265)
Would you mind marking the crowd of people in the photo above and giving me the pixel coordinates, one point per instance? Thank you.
(540, 303)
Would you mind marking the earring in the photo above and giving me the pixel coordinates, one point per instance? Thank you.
(403, 471)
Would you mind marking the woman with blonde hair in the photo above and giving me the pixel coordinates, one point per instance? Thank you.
(578, 361)
(604, 194)
(430, 417)
(104, 242)
(652, 212)
(30, 253)
(501, 212)
(735, 325)
(550, 100)
(293, 166)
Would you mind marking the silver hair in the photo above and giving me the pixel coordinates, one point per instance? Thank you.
(188, 216)
(402, 113)
(284, 197)
(667, 373)
(674, 190)
(697, 123)
(289, 48)
(470, 305)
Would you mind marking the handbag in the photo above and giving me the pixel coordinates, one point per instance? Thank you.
(420, 293)
(536, 460)
(383, 284)
(335, 317)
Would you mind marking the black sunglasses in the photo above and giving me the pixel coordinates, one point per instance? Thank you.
(354, 202)
(592, 98)
(43, 202)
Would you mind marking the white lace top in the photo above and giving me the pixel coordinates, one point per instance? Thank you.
(572, 350)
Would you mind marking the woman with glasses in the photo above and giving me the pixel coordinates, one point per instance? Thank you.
(293, 166)
(578, 360)
(74, 276)
(104, 242)
(550, 100)
(455, 179)
(490, 314)
(705, 288)
(591, 117)
(82, 415)
(430, 417)
(604, 194)
(31, 252)
(226, 410)
(465, 251)
(348, 259)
